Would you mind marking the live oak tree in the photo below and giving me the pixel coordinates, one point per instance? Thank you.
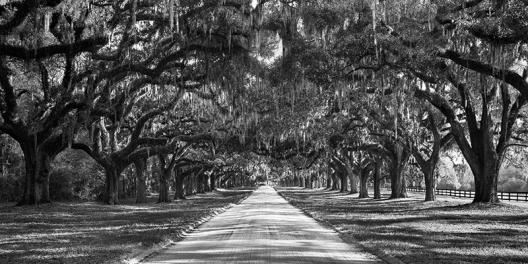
(43, 45)
(427, 151)
(193, 82)
(157, 59)
(472, 45)
(167, 166)
(364, 165)
(419, 129)
(485, 151)
(484, 83)
(481, 152)
(438, 33)
(317, 49)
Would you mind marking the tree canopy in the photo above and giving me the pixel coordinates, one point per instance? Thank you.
(328, 91)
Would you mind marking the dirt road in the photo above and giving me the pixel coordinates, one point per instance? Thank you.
(263, 229)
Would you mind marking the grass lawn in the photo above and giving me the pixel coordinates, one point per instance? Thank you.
(94, 233)
(446, 231)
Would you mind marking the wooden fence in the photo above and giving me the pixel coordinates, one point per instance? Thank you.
(506, 196)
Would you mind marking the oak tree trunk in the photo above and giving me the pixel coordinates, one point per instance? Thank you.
(363, 189)
(335, 182)
(179, 191)
(111, 196)
(207, 183)
(141, 181)
(36, 179)
(189, 184)
(398, 188)
(377, 180)
(344, 182)
(44, 176)
(399, 160)
(430, 183)
(485, 167)
(164, 177)
(31, 193)
(212, 182)
(200, 183)
(486, 182)
(353, 183)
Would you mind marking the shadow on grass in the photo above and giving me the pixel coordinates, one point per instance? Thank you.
(94, 233)
(445, 231)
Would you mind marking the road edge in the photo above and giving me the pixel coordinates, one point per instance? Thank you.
(141, 255)
(349, 239)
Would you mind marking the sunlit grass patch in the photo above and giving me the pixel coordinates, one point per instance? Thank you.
(94, 233)
(445, 231)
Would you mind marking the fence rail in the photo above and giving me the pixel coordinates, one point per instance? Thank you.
(506, 196)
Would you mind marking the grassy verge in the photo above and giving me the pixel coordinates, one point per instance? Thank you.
(95, 233)
(446, 231)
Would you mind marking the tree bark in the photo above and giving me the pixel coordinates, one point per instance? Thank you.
(212, 182)
(31, 193)
(204, 182)
(353, 178)
(363, 189)
(112, 185)
(189, 184)
(37, 173)
(377, 180)
(179, 191)
(430, 183)
(200, 182)
(399, 160)
(486, 181)
(44, 176)
(335, 182)
(207, 183)
(37, 177)
(164, 177)
(483, 152)
(141, 181)
(485, 164)
(353, 182)
(344, 182)
(165, 171)
(398, 188)
(122, 185)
